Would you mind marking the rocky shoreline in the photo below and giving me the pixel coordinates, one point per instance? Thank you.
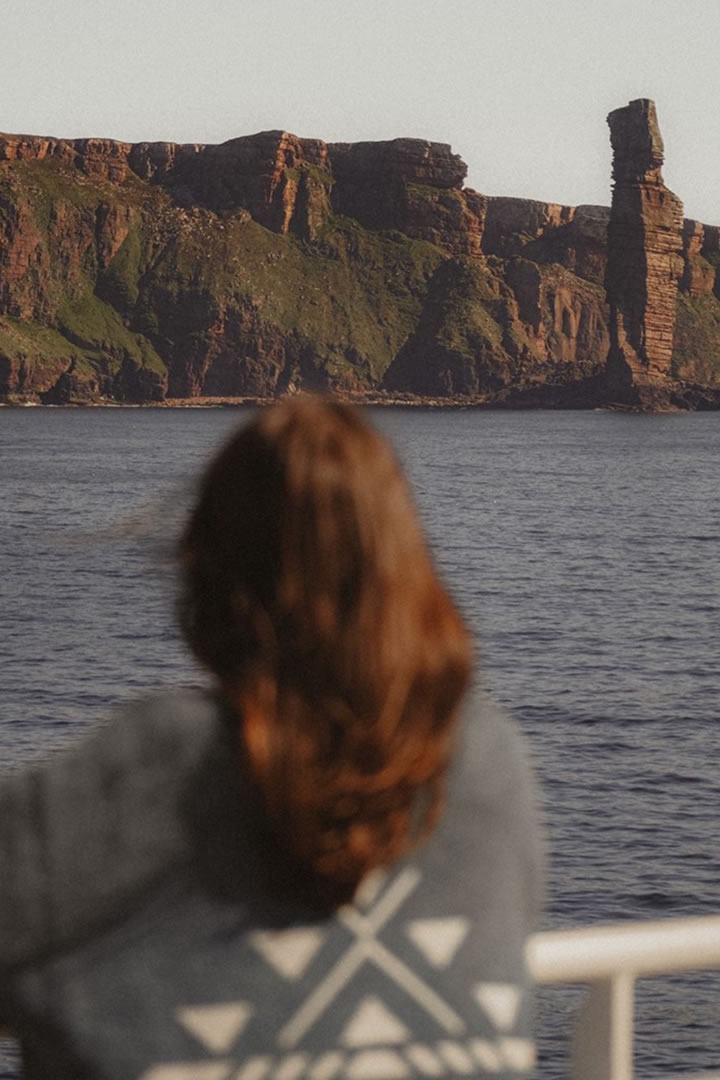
(382, 400)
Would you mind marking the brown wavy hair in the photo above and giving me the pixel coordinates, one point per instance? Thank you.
(308, 590)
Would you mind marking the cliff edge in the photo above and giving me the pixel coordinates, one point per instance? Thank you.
(152, 271)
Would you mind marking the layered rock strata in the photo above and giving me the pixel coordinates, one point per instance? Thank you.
(410, 185)
(698, 277)
(271, 263)
(291, 184)
(644, 259)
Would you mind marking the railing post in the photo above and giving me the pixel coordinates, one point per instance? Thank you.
(603, 1040)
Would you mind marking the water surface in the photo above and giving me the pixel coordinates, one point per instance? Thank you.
(583, 550)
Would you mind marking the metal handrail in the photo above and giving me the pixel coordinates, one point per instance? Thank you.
(611, 958)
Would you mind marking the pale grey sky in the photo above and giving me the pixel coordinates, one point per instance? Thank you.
(520, 88)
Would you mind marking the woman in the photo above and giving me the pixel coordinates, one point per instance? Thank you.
(313, 869)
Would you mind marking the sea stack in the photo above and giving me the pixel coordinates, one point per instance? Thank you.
(645, 241)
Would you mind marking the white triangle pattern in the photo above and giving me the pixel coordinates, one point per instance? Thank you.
(500, 1002)
(193, 1070)
(373, 1023)
(327, 1065)
(438, 939)
(425, 1060)
(289, 952)
(457, 1057)
(519, 1054)
(291, 1067)
(487, 1055)
(216, 1026)
(374, 1063)
(255, 1068)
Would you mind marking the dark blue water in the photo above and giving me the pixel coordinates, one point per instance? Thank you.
(584, 550)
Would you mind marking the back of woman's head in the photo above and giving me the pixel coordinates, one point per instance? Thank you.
(309, 592)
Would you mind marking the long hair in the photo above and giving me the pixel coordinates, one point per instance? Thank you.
(308, 590)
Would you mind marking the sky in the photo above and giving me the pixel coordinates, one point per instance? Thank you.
(519, 88)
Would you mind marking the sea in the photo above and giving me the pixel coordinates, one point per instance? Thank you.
(584, 551)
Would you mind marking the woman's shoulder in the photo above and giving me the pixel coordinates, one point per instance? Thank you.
(99, 822)
(180, 719)
(134, 761)
(491, 749)
(494, 805)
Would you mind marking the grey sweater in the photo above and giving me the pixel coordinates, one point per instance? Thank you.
(138, 940)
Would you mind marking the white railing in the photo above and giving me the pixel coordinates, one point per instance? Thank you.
(611, 958)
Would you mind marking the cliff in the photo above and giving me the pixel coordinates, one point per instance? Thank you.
(151, 271)
(645, 242)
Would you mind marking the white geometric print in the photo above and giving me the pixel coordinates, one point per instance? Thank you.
(425, 1060)
(326, 1066)
(372, 1023)
(440, 1061)
(291, 1067)
(500, 1001)
(373, 1064)
(367, 949)
(216, 1026)
(369, 888)
(486, 1054)
(457, 1057)
(255, 1068)
(289, 952)
(194, 1070)
(375, 1042)
(438, 939)
(519, 1054)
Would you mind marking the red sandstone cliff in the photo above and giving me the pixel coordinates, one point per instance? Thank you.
(645, 242)
(271, 262)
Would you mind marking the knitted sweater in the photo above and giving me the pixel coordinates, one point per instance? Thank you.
(138, 940)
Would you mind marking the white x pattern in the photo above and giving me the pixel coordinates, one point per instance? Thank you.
(367, 949)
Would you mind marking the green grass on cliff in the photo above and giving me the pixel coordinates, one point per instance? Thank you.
(42, 354)
(91, 339)
(346, 302)
(188, 286)
(97, 329)
(352, 293)
(313, 173)
(369, 288)
(449, 198)
(696, 353)
(47, 184)
(120, 281)
(471, 306)
(57, 182)
(34, 343)
(61, 279)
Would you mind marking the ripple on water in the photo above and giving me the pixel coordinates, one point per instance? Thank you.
(582, 549)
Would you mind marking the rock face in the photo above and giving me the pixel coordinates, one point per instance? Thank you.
(412, 186)
(645, 242)
(271, 263)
